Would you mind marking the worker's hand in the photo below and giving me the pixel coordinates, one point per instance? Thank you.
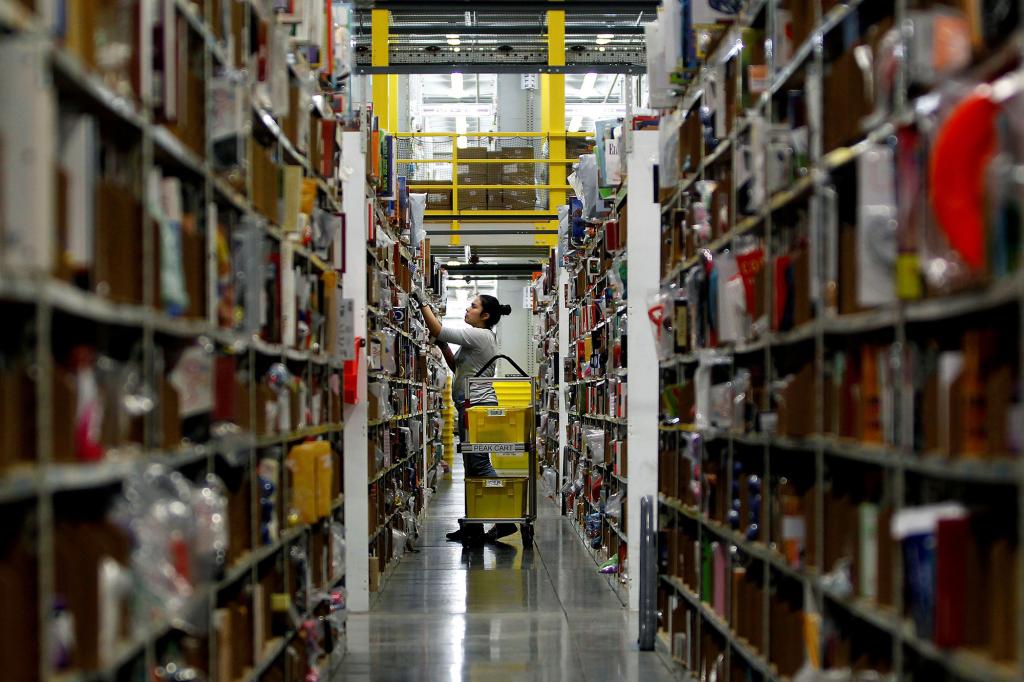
(419, 297)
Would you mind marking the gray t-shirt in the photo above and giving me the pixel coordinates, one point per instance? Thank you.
(476, 347)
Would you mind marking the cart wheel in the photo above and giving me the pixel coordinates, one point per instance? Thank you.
(526, 530)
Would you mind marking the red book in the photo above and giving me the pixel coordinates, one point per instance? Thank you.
(951, 540)
(327, 127)
(224, 388)
(781, 291)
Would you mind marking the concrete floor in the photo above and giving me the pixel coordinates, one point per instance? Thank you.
(498, 612)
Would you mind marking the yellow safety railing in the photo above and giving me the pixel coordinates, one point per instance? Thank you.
(459, 157)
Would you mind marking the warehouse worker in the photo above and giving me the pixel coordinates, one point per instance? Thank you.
(477, 345)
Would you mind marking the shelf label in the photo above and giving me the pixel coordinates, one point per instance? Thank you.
(347, 329)
(494, 483)
(495, 413)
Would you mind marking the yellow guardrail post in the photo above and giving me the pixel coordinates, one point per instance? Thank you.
(456, 241)
(552, 94)
(379, 28)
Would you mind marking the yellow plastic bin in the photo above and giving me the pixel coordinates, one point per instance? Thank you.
(495, 498)
(500, 424)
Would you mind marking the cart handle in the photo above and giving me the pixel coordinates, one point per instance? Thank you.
(495, 359)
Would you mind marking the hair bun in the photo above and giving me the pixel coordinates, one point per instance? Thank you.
(506, 310)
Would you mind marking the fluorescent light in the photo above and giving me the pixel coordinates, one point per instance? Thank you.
(457, 85)
(453, 41)
(587, 89)
(604, 38)
(456, 49)
(450, 36)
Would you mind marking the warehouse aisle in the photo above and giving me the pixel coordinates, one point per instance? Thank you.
(497, 612)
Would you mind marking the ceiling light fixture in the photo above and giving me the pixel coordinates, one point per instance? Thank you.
(587, 88)
(604, 38)
(453, 41)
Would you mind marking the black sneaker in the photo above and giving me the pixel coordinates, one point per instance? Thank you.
(465, 537)
(500, 530)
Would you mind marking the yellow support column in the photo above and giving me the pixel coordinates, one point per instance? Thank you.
(552, 98)
(379, 26)
(455, 240)
(392, 103)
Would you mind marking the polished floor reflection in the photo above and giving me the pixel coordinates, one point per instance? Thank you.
(498, 612)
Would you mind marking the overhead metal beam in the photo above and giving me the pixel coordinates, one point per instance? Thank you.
(472, 217)
(492, 269)
(421, 6)
(490, 67)
(466, 233)
(515, 29)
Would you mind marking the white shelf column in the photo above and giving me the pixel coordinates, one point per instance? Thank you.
(642, 256)
(357, 518)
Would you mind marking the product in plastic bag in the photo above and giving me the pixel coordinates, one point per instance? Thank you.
(613, 506)
(269, 478)
(548, 481)
(179, 535)
(337, 549)
(594, 438)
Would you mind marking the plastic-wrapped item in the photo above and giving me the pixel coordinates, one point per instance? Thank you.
(179, 533)
(337, 549)
(399, 541)
(594, 438)
(417, 209)
(268, 483)
(389, 357)
(741, 400)
(210, 514)
(548, 481)
(721, 405)
(660, 312)
(668, 150)
(380, 391)
(613, 506)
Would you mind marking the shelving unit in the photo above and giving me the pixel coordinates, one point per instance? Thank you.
(791, 440)
(134, 354)
(547, 314)
(399, 424)
(594, 381)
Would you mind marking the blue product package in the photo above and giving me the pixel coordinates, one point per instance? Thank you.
(579, 225)
(919, 573)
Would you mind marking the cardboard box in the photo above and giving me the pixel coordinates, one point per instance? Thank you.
(472, 199)
(439, 199)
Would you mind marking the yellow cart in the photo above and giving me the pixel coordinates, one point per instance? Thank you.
(507, 432)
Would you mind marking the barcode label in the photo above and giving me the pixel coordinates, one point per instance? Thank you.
(494, 483)
(495, 413)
